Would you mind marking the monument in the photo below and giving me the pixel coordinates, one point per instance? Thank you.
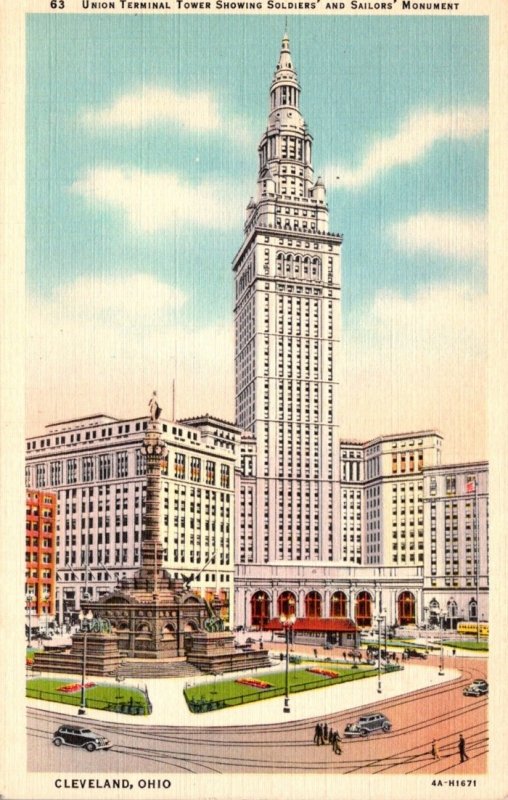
(151, 615)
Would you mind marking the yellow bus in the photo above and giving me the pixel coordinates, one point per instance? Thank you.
(471, 628)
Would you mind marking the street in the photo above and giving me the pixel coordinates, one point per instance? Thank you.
(440, 713)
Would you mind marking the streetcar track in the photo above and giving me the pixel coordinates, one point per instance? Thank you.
(297, 733)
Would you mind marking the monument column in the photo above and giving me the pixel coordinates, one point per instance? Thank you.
(155, 451)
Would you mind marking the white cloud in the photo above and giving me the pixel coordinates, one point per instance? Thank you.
(153, 105)
(105, 347)
(419, 363)
(455, 236)
(154, 201)
(417, 134)
(409, 363)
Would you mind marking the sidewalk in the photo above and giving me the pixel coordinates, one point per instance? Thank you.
(170, 708)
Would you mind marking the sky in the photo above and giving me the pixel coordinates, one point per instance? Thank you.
(142, 136)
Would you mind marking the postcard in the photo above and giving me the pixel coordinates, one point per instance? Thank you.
(253, 399)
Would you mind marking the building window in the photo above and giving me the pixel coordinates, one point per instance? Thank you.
(210, 473)
(195, 469)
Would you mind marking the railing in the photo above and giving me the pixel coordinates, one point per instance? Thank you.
(135, 708)
(203, 705)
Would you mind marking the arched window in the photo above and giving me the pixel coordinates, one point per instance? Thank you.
(338, 605)
(286, 604)
(260, 609)
(406, 608)
(363, 610)
(473, 609)
(452, 608)
(313, 604)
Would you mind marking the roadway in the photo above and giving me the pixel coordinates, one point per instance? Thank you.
(439, 712)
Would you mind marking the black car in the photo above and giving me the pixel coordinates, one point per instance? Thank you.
(411, 653)
(80, 737)
(367, 724)
(476, 689)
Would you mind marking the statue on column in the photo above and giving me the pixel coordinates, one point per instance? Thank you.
(154, 407)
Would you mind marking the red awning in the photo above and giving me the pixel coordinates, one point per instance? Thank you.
(315, 624)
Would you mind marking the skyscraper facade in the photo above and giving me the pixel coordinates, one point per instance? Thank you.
(287, 332)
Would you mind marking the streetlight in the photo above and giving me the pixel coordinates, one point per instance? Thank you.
(441, 659)
(29, 597)
(379, 620)
(45, 597)
(386, 649)
(84, 621)
(287, 622)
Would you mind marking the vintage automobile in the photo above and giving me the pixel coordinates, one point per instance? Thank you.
(80, 737)
(476, 688)
(366, 724)
(412, 653)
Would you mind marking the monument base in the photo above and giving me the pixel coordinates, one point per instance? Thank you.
(102, 656)
(215, 653)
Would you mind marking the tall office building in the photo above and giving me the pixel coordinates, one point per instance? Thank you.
(287, 324)
(96, 468)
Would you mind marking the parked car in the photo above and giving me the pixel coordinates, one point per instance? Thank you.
(367, 724)
(328, 646)
(476, 688)
(250, 640)
(410, 653)
(80, 737)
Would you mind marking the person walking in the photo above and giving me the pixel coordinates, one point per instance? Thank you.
(434, 751)
(462, 749)
(325, 732)
(318, 734)
(336, 744)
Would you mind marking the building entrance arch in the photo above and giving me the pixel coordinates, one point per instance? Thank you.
(313, 605)
(286, 604)
(363, 610)
(338, 605)
(259, 609)
(406, 608)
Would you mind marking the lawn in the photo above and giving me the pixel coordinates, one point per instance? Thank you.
(104, 696)
(473, 645)
(225, 693)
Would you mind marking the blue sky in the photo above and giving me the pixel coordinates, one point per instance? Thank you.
(142, 137)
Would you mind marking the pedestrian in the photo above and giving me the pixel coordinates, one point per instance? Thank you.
(318, 734)
(462, 749)
(315, 653)
(330, 735)
(453, 652)
(434, 751)
(344, 655)
(336, 744)
(325, 732)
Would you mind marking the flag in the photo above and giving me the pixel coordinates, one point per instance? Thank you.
(470, 485)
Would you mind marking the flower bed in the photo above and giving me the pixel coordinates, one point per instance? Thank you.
(255, 683)
(328, 673)
(70, 688)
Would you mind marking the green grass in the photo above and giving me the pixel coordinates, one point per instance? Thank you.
(225, 693)
(459, 645)
(107, 697)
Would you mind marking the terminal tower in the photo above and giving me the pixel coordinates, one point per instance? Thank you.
(287, 338)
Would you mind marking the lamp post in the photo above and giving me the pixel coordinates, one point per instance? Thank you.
(287, 622)
(29, 597)
(441, 658)
(45, 597)
(386, 648)
(379, 620)
(84, 621)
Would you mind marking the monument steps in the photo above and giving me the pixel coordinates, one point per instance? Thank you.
(141, 668)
